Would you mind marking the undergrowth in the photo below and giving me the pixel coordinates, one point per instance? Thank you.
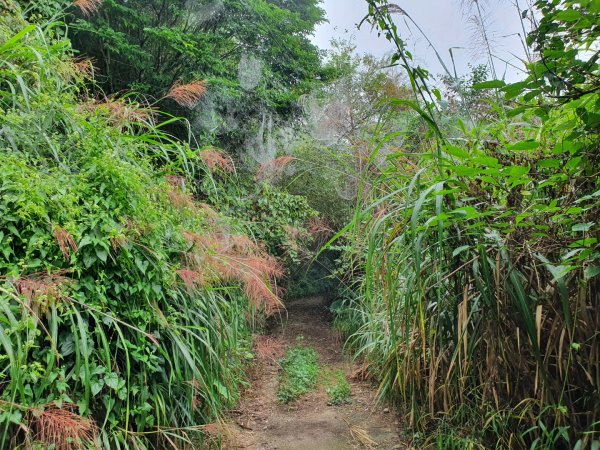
(299, 375)
(125, 303)
(337, 387)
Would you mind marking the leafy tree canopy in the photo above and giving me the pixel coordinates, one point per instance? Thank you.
(255, 55)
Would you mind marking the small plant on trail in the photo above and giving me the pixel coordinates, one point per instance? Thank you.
(300, 373)
(338, 388)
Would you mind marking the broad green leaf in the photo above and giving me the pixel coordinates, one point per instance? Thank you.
(582, 226)
(591, 272)
(568, 15)
(518, 171)
(492, 84)
(96, 386)
(102, 254)
(549, 163)
(524, 145)
(88, 259)
(514, 89)
(456, 151)
(112, 380)
(459, 250)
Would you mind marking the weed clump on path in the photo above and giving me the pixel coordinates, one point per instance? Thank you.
(299, 374)
(337, 388)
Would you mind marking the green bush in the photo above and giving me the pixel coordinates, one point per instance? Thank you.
(271, 215)
(121, 311)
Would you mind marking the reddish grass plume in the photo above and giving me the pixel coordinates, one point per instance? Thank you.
(274, 169)
(41, 290)
(61, 428)
(319, 230)
(180, 199)
(177, 196)
(237, 258)
(88, 7)
(65, 242)
(187, 95)
(191, 279)
(118, 242)
(176, 181)
(216, 160)
(209, 212)
(84, 67)
(121, 112)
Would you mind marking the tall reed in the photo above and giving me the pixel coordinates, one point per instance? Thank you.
(475, 309)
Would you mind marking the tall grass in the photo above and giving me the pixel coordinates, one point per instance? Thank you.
(116, 329)
(476, 306)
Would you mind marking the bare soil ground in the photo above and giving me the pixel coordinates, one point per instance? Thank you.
(262, 423)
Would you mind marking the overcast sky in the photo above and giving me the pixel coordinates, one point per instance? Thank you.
(445, 25)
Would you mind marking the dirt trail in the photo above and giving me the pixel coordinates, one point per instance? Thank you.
(262, 423)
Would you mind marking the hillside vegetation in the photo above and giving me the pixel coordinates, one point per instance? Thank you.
(125, 303)
(172, 172)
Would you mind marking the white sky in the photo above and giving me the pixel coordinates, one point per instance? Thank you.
(443, 23)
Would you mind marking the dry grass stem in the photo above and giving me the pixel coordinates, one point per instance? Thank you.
(62, 429)
(361, 435)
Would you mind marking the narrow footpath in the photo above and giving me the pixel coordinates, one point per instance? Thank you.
(262, 423)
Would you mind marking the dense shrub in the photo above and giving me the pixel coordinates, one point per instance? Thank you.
(124, 303)
(476, 252)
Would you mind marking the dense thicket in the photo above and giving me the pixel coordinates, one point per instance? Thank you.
(477, 304)
(133, 263)
(125, 303)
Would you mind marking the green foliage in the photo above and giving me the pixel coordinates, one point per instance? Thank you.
(300, 373)
(337, 387)
(282, 222)
(271, 215)
(346, 317)
(332, 150)
(42, 10)
(320, 172)
(466, 98)
(316, 279)
(255, 55)
(96, 318)
(567, 40)
(475, 253)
